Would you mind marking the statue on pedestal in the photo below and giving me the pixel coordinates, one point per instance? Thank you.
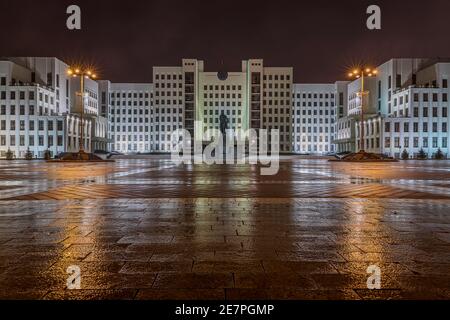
(223, 120)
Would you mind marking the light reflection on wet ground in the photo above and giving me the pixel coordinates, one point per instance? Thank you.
(147, 229)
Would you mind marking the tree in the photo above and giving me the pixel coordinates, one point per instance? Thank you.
(9, 155)
(422, 155)
(405, 155)
(28, 155)
(439, 155)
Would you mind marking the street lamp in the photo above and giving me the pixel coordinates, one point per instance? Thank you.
(360, 74)
(83, 74)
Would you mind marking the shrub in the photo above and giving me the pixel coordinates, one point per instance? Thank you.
(29, 155)
(405, 155)
(422, 155)
(9, 155)
(439, 155)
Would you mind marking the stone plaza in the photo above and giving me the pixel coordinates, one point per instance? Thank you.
(145, 228)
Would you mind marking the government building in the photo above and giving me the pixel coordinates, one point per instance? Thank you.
(406, 108)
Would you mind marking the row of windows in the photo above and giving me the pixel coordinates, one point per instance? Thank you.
(215, 120)
(415, 128)
(320, 139)
(222, 87)
(168, 93)
(130, 120)
(280, 110)
(227, 112)
(314, 112)
(276, 119)
(22, 111)
(222, 96)
(277, 77)
(222, 104)
(130, 111)
(276, 86)
(415, 142)
(147, 120)
(315, 130)
(276, 94)
(310, 130)
(158, 102)
(314, 96)
(168, 85)
(315, 148)
(132, 138)
(434, 112)
(31, 142)
(163, 76)
(277, 102)
(13, 96)
(315, 104)
(146, 111)
(425, 98)
(130, 95)
(315, 120)
(425, 112)
(131, 103)
(31, 125)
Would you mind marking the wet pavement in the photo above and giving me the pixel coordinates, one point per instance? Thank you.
(147, 229)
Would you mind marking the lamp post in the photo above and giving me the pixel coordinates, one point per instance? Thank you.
(83, 74)
(360, 74)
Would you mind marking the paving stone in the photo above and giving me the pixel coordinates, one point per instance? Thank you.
(194, 280)
(156, 267)
(300, 294)
(180, 294)
(150, 230)
(126, 294)
(273, 280)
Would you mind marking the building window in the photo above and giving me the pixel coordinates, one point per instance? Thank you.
(435, 142)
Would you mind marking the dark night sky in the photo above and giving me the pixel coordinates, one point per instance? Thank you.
(320, 39)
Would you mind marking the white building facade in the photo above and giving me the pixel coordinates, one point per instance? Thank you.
(128, 109)
(35, 109)
(314, 114)
(409, 110)
(405, 108)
